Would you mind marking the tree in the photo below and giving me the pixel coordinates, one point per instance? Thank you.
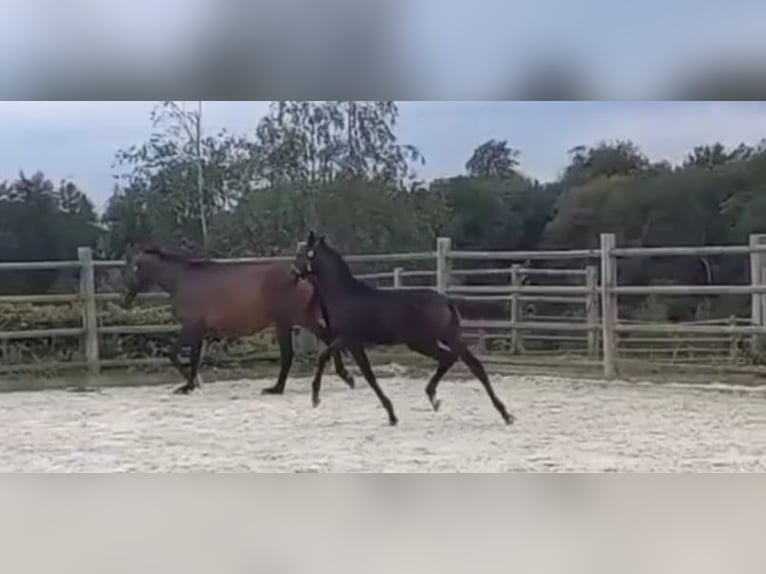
(74, 202)
(484, 213)
(493, 160)
(605, 159)
(182, 134)
(39, 221)
(179, 179)
(319, 142)
(358, 214)
(710, 156)
(301, 145)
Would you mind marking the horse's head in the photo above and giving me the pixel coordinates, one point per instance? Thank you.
(321, 264)
(137, 273)
(305, 262)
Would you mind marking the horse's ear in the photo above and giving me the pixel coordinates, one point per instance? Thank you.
(311, 239)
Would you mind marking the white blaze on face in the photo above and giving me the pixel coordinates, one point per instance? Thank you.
(309, 259)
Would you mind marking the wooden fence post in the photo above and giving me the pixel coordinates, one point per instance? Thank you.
(591, 308)
(733, 343)
(443, 247)
(397, 277)
(89, 310)
(757, 300)
(608, 303)
(515, 310)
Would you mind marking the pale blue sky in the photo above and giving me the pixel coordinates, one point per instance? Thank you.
(78, 139)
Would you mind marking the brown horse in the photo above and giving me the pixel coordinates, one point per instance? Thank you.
(212, 299)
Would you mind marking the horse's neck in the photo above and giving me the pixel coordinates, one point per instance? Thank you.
(335, 285)
(168, 275)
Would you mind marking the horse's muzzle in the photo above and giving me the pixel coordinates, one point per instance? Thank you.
(301, 273)
(128, 298)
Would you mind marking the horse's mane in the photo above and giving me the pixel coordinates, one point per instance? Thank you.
(344, 271)
(184, 255)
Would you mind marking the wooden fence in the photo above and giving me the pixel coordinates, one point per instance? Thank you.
(596, 293)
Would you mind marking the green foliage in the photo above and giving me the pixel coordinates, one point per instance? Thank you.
(359, 215)
(493, 160)
(491, 213)
(257, 191)
(717, 198)
(39, 222)
(20, 317)
(158, 196)
(338, 166)
(319, 142)
(605, 159)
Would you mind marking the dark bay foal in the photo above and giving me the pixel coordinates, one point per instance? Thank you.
(360, 315)
(213, 299)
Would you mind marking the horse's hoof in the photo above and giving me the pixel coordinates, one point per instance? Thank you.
(315, 402)
(272, 391)
(508, 418)
(350, 382)
(436, 403)
(393, 421)
(183, 390)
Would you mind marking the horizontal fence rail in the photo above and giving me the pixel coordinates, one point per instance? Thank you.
(39, 265)
(587, 291)
(566, 255)
(689, 289)
(360, 258)
(703, 251)
(529, 289)
(41, 333)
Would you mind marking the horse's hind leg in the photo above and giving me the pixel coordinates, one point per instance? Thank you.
(445, 360)
(341, 371)
(475, 366)
(173, 354)
(357, 351)
(286, 354)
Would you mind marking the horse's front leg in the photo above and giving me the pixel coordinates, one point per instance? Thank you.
(324, 356)
(324, 335)
(193, 337)
(285, 341)
(357, 351)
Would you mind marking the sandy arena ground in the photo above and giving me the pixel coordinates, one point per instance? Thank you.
(562, 425)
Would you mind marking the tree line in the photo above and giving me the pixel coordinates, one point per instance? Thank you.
(339, 166)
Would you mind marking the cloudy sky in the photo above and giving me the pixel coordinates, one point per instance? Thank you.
(78, 140)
